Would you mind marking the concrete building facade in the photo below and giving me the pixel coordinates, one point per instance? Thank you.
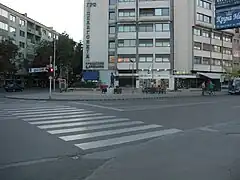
(153, 40)
(24, 31)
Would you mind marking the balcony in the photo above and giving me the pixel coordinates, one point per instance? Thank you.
(153, 18)
(30, 30)
(126, 19)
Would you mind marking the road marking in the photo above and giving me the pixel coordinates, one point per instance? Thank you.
(236, 107)
(80, 129)
(125, 139)
(46, 112)
(61, 117)
(71, 120)
(54, 114)
(34, 108)
(167, 106)
(81, 123)
(98, 106)
(37, 110)
(106, 133)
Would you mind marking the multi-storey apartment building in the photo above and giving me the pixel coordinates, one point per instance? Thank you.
(24, 31)
(155, 40)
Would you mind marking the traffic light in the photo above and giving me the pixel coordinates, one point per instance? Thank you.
(50, 70)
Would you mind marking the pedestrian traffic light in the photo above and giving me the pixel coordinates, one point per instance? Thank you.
(50, 70)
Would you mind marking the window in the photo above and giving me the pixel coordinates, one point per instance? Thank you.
(216, 48)
(127, 28)
(227, 63)
(162, 42)
(112, 16)
(206, 61)
(145, 58)
(162, 12)
(204, 18)
(126, 0)
(3, 26)
(216, 62)
(227, 51)
(145, 43)
(162, 58)
(206, 33)
(3, 13)
(207, 47)
(111, 59)
(111, 45)
(112, 2)
(126, 43)
(165, 27)
(197, 45)
(21, 22)
(227, 38)
(197, 60)
(216, 36)
(112, 30)
(22, 44)
(146, 12)
(146, 28)
(12, 18)
(12, 29)
(197, 32)
(126, 13)
(204, 4)
(126, 58)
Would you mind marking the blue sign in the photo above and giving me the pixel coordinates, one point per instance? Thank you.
(226, 3)
(227, 19)
(90, 75)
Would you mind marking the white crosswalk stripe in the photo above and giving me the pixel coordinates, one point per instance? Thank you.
(87, 129)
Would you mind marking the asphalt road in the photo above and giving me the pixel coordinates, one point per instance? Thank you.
(69, 140)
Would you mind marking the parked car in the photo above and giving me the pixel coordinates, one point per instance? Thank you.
(234, 86)
(13, 87)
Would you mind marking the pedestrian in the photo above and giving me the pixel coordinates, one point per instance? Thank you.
(211, 86)
(203, 88)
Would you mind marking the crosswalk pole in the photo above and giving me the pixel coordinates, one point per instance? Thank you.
(50, 80)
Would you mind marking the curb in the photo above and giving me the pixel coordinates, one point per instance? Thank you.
(109, 99)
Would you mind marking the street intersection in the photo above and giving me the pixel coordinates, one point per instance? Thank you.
(36, 134)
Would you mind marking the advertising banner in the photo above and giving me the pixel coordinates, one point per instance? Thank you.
(227, 19)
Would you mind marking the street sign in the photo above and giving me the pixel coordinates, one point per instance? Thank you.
(37, 70)
(94, 65)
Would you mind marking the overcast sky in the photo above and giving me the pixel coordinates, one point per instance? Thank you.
(65, 16)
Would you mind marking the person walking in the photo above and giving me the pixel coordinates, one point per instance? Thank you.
(203, 88)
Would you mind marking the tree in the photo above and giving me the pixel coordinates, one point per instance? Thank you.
(234, 72)
(8, 53)
(68, 55)
(78, 59)
(42, 53)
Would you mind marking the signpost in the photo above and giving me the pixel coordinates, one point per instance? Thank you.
(227, 14)
(50, 79)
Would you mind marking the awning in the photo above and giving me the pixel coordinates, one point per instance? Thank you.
(211, 75)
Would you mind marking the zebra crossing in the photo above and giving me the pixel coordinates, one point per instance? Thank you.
(87, 129)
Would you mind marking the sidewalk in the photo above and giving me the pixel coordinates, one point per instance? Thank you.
(191, 155)
(98, 96)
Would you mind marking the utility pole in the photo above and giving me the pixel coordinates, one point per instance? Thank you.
(54, 64)
(50, 79)
(137, 42)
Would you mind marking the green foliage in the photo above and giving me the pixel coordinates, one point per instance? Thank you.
(68, 55)
(8, 53)
(235, 72)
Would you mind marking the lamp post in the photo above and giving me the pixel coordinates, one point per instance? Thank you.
(132, 75)
(54, 63)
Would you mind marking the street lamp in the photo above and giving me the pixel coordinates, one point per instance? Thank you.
(132, 75)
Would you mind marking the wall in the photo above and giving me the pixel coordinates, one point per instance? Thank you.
(183, 22)
(98, 32)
